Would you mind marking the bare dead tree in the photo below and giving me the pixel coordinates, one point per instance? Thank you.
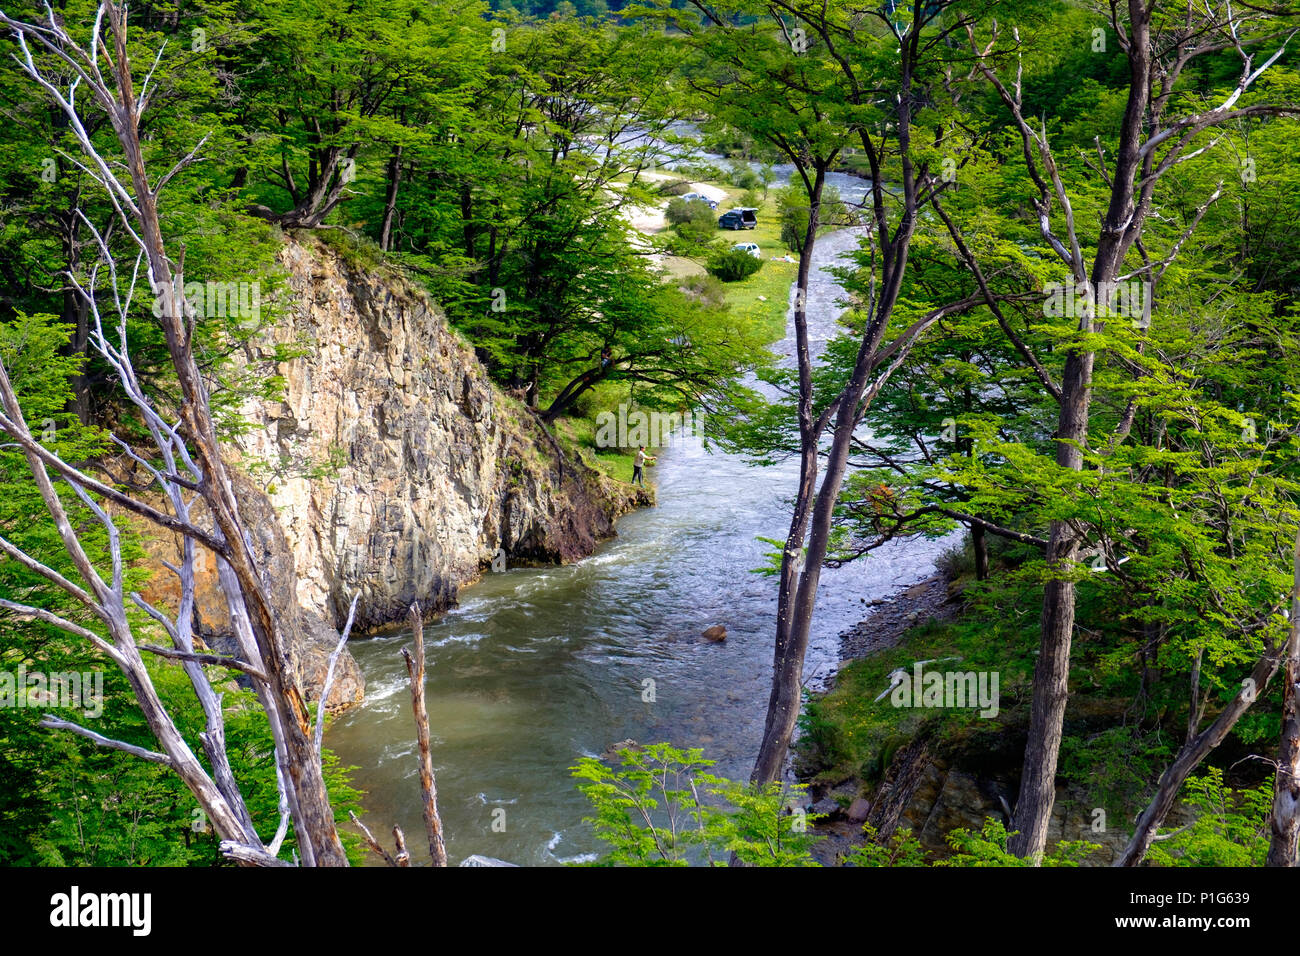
(1155, 137)
(428, 787)
(1284, 822)
(188, 469)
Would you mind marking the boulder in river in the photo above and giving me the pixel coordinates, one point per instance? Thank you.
(826, 807)
(611, 752)
(715, 633)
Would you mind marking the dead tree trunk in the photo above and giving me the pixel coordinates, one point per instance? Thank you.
(107, 79)
(428, 788)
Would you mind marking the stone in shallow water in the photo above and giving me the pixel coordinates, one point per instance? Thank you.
(478, 859)
(827, 807)
(715, 633)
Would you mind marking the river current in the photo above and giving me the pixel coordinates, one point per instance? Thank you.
(537, 667)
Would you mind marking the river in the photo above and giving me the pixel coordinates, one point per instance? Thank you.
(536, 667)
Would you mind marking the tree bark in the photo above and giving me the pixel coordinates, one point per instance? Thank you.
(1052, 671)
(979, 544)
(1284, 822)
(783, 701)
(390, 198)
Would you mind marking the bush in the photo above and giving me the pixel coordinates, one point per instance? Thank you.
(734, 265)
(677, 187)
(692, 220)
(704, 288)
(682, 211)
(1231, 828)
(655, 811)
(694, 233)
(700, 172)
(742, 176)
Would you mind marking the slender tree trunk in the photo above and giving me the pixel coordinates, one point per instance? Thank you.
(979, 544)
(76, 312)
(390, 199)
(783, 701)
(428, 787)
(1052, 672)
(1285, 819)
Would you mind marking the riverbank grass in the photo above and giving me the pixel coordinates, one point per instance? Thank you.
(578, 436)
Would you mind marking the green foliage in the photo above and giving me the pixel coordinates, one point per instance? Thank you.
(1231, 827)
(1116, 766)
(902, 849)
(655, 810)
(792, 212)
(743, 176)
(681, 211)
(732, 265)
(989, 848)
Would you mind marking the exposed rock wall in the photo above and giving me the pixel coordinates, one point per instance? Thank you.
(396, 468)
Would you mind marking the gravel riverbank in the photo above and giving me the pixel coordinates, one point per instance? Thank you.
(885, 626)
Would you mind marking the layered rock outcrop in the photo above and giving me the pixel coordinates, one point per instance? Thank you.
(395, 468)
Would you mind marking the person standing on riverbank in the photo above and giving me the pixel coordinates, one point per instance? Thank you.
(637, 463)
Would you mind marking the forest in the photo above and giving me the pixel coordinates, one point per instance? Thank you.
(974, 321)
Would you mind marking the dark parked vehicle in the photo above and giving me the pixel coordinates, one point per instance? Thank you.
(738, 219)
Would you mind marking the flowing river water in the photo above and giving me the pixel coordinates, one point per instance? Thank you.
(537, 667)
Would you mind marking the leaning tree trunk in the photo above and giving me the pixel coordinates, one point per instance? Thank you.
(1190, 756)
(783, 701)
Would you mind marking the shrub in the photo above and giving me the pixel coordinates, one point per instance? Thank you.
(704, 288)
(1231, 828)
(989, 848)
(733, 265)
(676, 187)
(901, 849)
(693, 221)
(681, 210)
(742, 176)
(653, 812)
(694, 233)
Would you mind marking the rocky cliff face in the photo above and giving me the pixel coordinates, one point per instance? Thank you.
(397, 470)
